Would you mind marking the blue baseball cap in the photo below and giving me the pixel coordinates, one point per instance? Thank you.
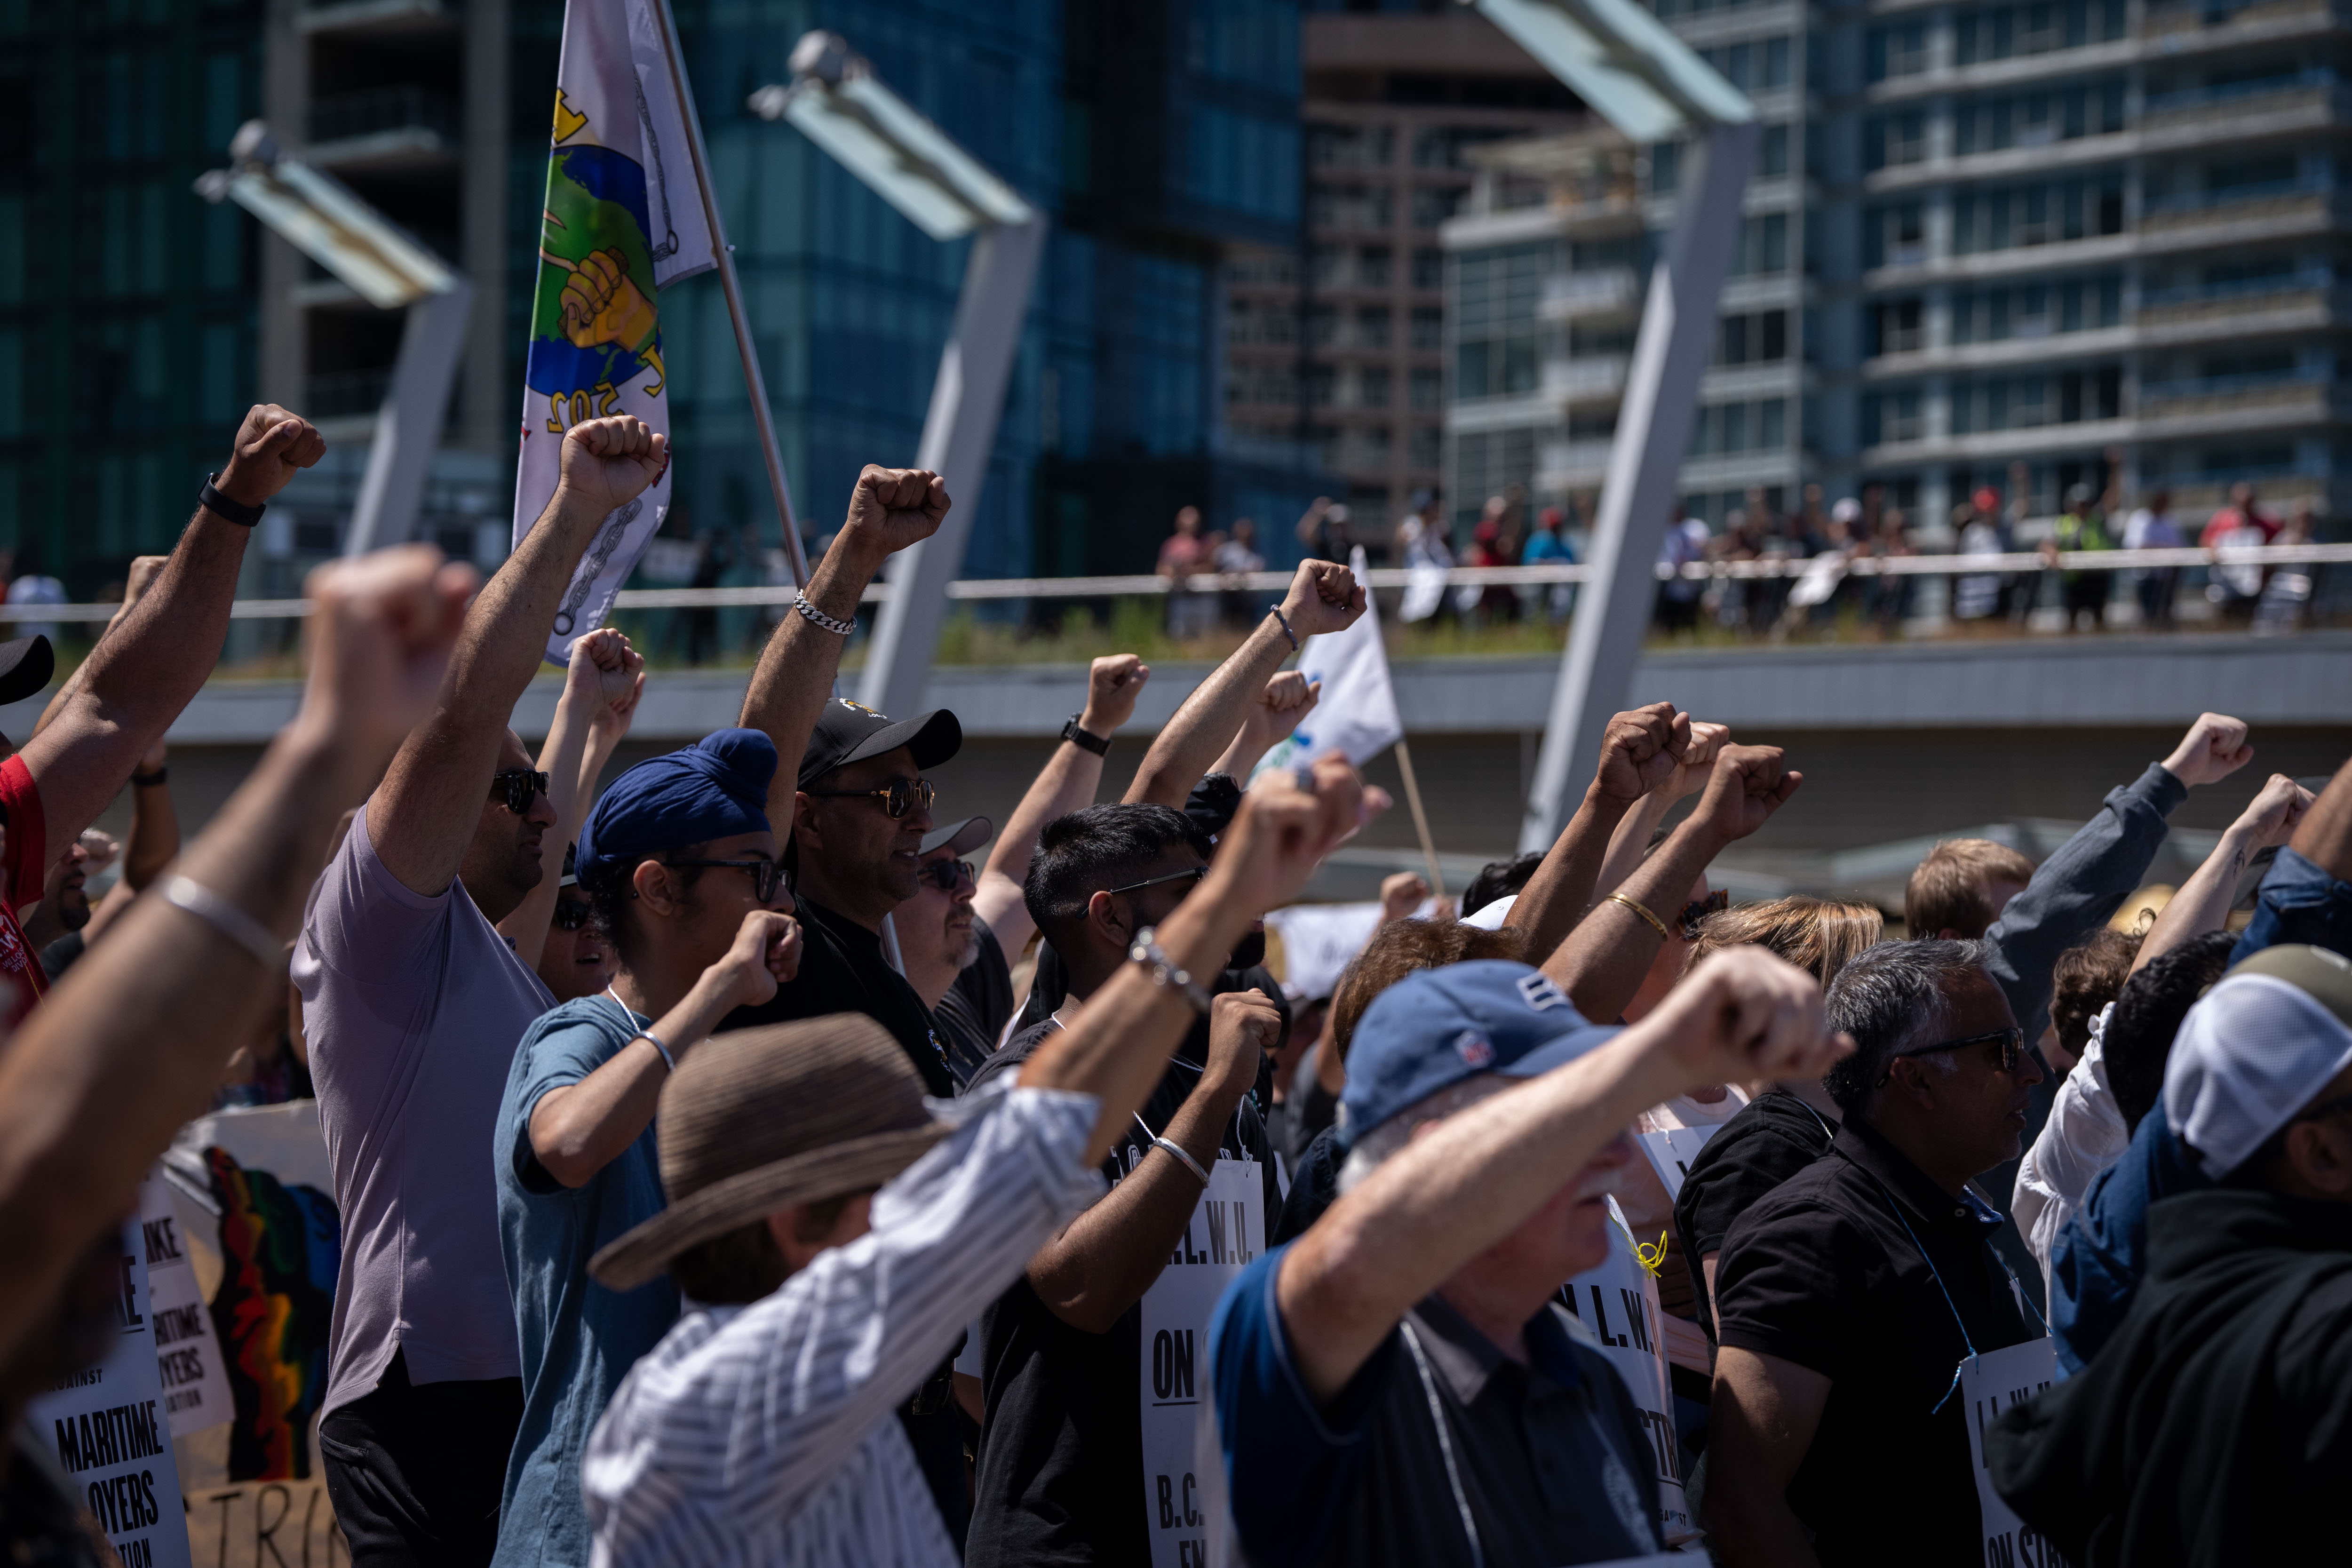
(1436, 1027)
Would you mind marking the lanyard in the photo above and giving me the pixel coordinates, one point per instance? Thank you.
(1944, 1290)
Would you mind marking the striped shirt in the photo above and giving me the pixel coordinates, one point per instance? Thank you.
(764, 1434)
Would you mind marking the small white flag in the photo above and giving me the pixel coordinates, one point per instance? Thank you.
(623, 220)
(1357, 712)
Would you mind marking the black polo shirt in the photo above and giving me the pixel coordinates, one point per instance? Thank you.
(971, 1016)
(843, 971)
(1827, 1271)
(1769, 1139)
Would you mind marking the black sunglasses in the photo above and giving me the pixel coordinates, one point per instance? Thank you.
(898, 797)
(516, 787)
(2011, 1041)
(1697, 909)
(1193, 874)
(947, 876)
(767, 876)
(570, 914)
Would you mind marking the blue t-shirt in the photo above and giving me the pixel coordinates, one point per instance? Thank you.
(1553, 1463)
(2102, 1255)
(578, 1339)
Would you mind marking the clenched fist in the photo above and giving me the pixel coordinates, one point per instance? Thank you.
(271, 445)
(1324, 597)
(603, 304)
(1741, 1015)
(610, 462)
(1113, 683)
(379, 636)
(1640, 751)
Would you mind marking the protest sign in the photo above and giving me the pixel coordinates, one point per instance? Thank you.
(1226, 1231)
(1671, 1151)
(109, 1430)
(1618, 1301)
(1990, 1383)
(187, 1354)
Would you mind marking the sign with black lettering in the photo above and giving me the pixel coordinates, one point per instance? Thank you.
(187, 1355)
(110, 1431)
(1226, 1231)
(1990, 1383)
(1670, 1152)
(1619, 1302)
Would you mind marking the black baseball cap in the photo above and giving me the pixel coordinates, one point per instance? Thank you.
(850, 732)
(962, 838)
(26, 666)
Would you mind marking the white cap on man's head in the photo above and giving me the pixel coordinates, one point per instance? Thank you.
(2256, 1050)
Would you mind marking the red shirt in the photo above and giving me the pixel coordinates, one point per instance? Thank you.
(2230, 520)
(22, 867)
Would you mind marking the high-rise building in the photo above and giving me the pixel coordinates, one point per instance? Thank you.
(1341, 344)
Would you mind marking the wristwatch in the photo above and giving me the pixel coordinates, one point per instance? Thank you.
(1098, 744)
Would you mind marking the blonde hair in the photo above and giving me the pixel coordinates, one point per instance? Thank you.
(1819, 936)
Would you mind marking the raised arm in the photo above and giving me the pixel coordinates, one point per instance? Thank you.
(601, 687)
(154, 841)
(1068, 782)
(144, 569)
(1641, 751)
(1470, 1180)
(132, 1042)
(1630, 844)
(2306, 895)
(889, 510)
(1602, 962)
(423, 815)
(2203, 904)
(1323, 597)
(155, 656)
(1288, 698)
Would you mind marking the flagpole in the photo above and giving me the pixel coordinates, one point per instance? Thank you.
(1420, 817)
(752, 381)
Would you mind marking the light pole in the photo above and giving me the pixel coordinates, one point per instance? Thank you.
(390, 270)
(1646, 81)
(838, 103)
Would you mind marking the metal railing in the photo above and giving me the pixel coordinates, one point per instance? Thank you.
(981, 589)
(2238, 288)
(2192, 98)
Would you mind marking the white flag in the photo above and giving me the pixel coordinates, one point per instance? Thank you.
(1357, 712)
(623, 220)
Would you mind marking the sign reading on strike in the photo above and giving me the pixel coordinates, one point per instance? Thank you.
(1990, 1383)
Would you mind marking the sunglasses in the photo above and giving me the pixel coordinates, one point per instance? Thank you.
(767, 876)
(1193, 875)
(516, 787)
(1697, 909)
(898, 797)
(2011, 1041)
(947, 876)
(570, 914)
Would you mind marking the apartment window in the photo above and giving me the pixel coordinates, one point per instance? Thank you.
(1762, 338)
(1895, 235)
(1372, 267)
(1426, 390)
(1772, 159)
(1666, 168)
(1348, 206)
(1891, 417)
(1372, 327)
(1323, 326)
(1897, 140)
(1372, 387)
(1763, 246)
(1326, 266)
(1428, 327)
(1424, 446)
(1727, 429)
(2042, 214)
(2003, 31)
(1350, 146)
(1897, 326)
(1897, 52)
(1322, 386)
(1428, 268)
(1757, 65)
(1433, 204)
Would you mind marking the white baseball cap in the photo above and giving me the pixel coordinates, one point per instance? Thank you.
(2257, 1049)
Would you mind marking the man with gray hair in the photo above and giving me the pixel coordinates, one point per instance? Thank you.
(1849, 1296)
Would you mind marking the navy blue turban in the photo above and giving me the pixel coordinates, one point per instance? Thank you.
(716, 788)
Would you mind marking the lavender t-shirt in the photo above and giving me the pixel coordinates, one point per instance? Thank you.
(412, 1006)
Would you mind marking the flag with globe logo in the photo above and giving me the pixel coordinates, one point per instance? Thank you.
(623, 220)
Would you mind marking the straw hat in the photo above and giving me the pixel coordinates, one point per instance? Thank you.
(761, 1119)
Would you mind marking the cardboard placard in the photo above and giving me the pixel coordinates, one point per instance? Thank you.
(1990, 1383)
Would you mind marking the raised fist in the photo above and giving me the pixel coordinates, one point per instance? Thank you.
(1289, 819)
(380, 634)
(603, 304)
(1743, 1014)
(2214, 747)
(271, 445)
(608, 675)
(1113, 683)
(894, 508)
(1324, 597)
(610, 462)
(1748, 785)
(1641, 751)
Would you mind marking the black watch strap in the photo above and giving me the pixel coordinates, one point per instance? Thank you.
(219, 505)
(1098, 744)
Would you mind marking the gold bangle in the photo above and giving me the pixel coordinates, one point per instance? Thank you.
(1641, 910)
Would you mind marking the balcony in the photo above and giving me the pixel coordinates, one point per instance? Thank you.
(384, 127)
(1572, 465)
(1609, 292)
(2288, 302)
(2167, 107)
(1590, 378)
(2258, 401)
(2236, 215)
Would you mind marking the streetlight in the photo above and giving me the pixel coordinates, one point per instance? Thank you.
(1637, 75)
(389, 269)
(837, 102)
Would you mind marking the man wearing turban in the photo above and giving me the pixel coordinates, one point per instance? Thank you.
(683, 871)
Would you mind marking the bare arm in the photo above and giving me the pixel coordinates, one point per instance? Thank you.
(1631, 842)
(1119, 1048)
(156, 658)
(155, 824)
(1761, 1423)
(579, 1128)
(131, 1041)
(1068, 782)
(423, 815)
(1640, 751)
(601, 689)
(2325, 836)
(1323, 597)
(1108, 1257)
(144, 569)
(1472, 1178)
(2203, 904)
(889, 510)
(1601, 963)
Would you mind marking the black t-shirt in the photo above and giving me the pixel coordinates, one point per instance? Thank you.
(1828, 1272)
(1768, 1141)
(973, 1012)
(1314, 1187)
(843, 971)
(1060, 1472)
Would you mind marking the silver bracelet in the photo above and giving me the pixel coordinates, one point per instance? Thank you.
(1179, 1151)
(187, 893)
(817, 617)
(654, 1040)
(1164, 973)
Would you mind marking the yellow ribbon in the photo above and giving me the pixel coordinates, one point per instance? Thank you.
(1651, 1257)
